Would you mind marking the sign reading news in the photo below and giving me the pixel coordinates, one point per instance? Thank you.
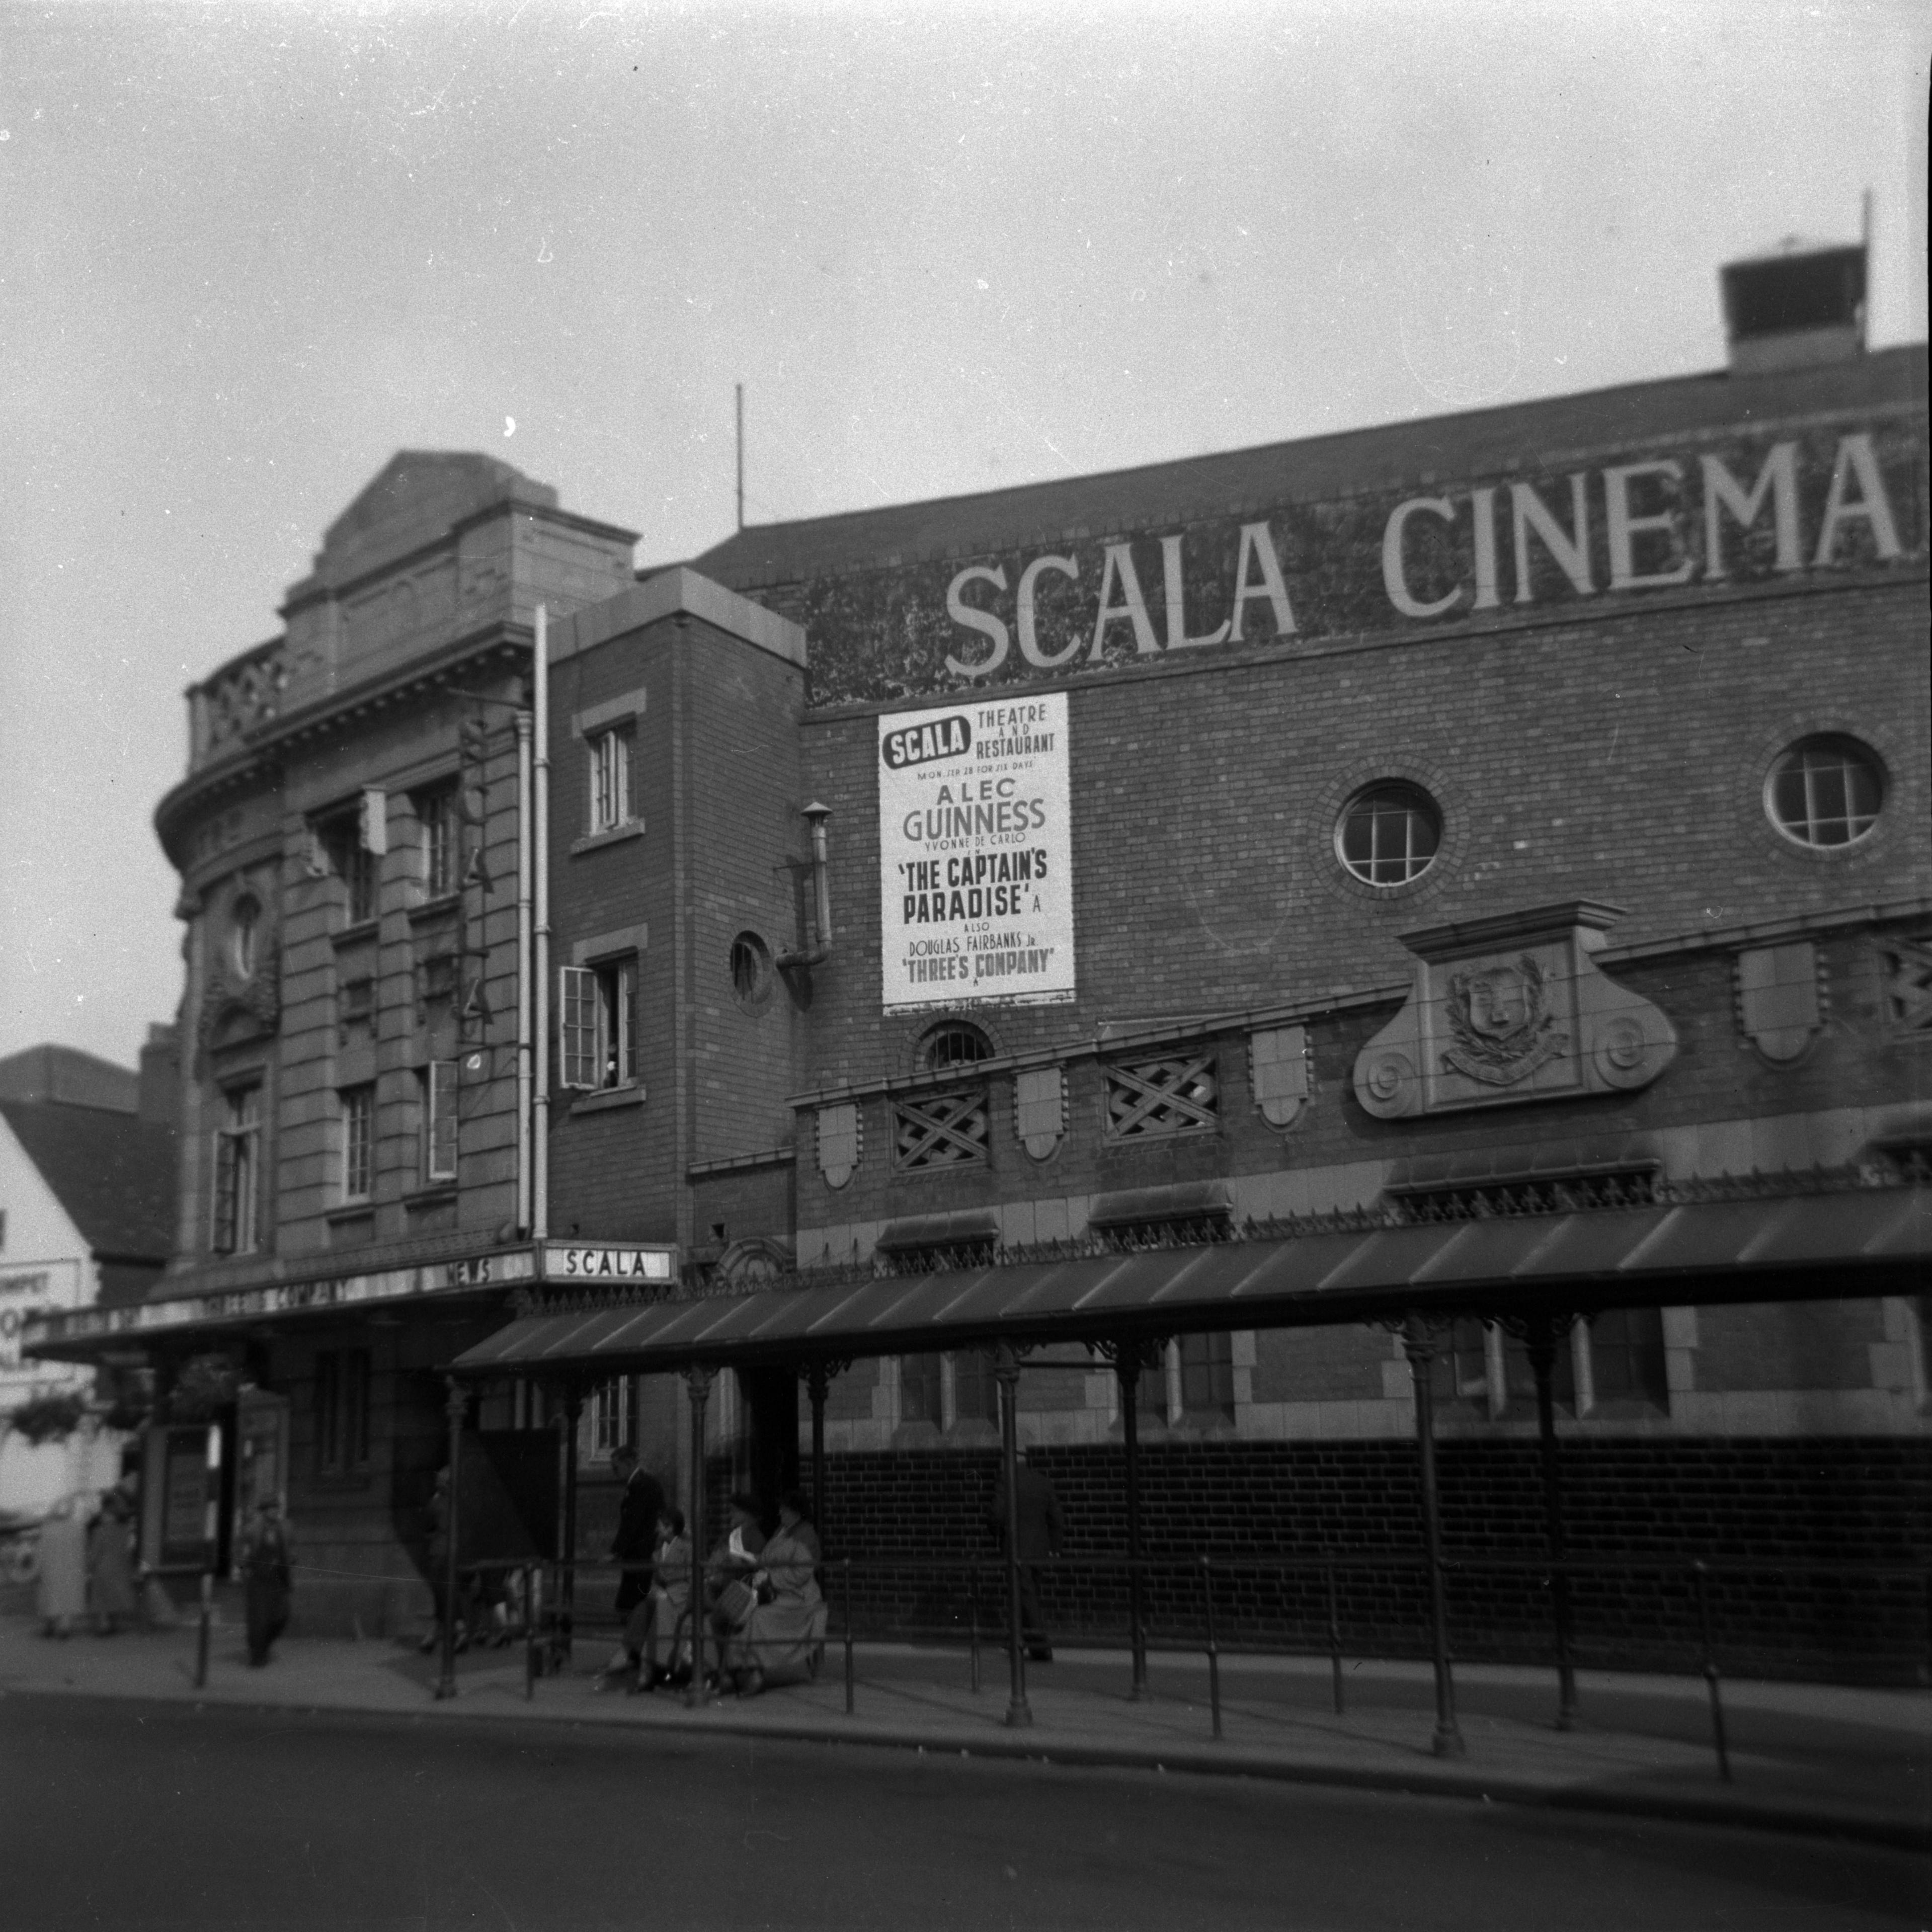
(976, 883)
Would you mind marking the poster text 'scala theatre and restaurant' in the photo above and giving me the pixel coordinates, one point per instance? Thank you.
(976, 886)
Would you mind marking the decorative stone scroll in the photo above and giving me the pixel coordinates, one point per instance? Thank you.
(1509, 1010)
(840, 1141)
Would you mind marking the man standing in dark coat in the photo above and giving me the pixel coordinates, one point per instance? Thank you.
(1040, 1530)
(638, 1509)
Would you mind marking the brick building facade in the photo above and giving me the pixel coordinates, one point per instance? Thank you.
(1502, 836)
(1590, 661)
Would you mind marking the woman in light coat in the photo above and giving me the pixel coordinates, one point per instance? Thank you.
(787, 1625)
(60, 1582)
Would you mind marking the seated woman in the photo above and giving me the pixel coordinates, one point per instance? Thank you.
(657, 1619)
(728, 1596)
(781, 1638)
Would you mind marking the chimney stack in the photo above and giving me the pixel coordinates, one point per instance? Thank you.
(1800, 307)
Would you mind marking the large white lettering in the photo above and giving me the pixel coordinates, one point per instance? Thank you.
(1119, 569)
(1395, 579)
(1483, 511)
(1722, 491)
(1570, 553)
(1175, 586)
(1625, 527)
(1030, 648)
(1871, 505)
(1256, 543)
(974, 618)
(1653, 540)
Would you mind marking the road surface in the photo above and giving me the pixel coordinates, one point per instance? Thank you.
(137, 1815)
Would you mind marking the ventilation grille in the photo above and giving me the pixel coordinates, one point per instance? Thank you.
(1179, 1094)
(940, 1130)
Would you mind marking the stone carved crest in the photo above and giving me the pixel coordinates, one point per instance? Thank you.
(233, 1011)
(1509, 1010)
(1504, 1029)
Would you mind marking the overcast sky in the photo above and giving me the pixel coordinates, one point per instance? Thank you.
(248, 252)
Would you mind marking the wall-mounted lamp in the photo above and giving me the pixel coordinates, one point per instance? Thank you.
(820, 950)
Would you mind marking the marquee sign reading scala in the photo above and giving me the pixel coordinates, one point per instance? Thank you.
(1834, 496)
(975, 878)
(554, 1262)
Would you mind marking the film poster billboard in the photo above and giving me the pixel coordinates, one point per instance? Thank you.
(975, 884)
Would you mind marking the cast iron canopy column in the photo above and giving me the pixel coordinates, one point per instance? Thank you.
(1419, 1345)
(1130, 1358)
(455, 1406)
(698, 1380)
(566, 1607)
(1541, 1332)
(1006, 1374)
(817, 1378)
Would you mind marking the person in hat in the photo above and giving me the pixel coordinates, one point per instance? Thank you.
(780, 1639)
(640, 1504)
(728, 1592)
(265, 1561)
(110, 1563)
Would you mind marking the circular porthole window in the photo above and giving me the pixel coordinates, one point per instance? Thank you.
(751, 964)
(244, 934)
(1389, 834)
(954, 1043)
(1825, 792)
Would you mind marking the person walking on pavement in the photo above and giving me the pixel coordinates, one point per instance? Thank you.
(266, 1575)
(110, 1563)
(639, 1506)
(1041, 1527)
(436, 1529)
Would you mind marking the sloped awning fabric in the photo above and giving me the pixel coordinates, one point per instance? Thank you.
(1863, 1243)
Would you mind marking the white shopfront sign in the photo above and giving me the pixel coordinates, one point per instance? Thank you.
(976, 885)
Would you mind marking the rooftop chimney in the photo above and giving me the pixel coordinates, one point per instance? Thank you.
(159, 1093)
(1802, 306)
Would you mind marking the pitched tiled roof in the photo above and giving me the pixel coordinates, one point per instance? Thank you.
(1475, 443)
(112, 1172)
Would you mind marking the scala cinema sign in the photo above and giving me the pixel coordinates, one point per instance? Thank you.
(1716, 513)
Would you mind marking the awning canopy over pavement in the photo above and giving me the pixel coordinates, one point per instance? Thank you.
(1862, 1241)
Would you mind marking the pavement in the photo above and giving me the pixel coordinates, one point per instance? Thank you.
(1852, 1762)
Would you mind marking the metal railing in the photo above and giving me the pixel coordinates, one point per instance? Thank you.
(551, 1618)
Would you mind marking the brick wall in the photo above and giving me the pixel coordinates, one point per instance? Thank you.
(715, 789)
(1829, 1502)
(1620, 758)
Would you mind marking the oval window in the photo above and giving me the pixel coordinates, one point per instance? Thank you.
(1388, 834)
(751, 970)
(1826, 791)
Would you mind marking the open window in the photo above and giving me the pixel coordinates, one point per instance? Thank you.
(598, 1027)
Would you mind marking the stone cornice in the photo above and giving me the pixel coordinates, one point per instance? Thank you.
(261, 750)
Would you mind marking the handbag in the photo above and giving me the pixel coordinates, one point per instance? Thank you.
(735, 1600)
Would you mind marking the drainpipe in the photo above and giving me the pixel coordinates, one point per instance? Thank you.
(821, 948)
(539, 1222)
(525, 991)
